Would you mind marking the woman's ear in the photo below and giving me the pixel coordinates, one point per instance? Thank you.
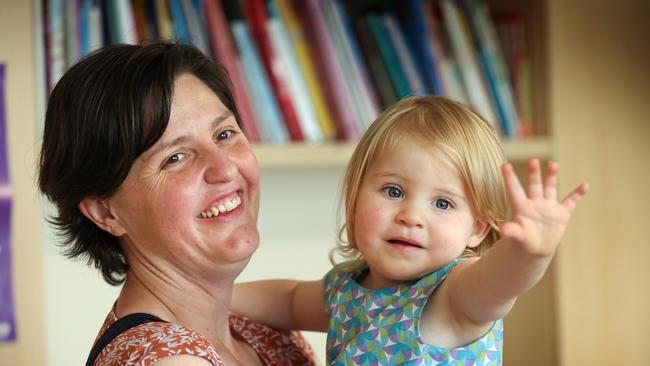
(481, 230)
(98, 211)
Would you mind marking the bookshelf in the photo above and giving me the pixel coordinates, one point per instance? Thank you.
(301, 155)
(590, 112)
(254, 48)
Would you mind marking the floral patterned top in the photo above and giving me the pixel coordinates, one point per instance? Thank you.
(149, 342)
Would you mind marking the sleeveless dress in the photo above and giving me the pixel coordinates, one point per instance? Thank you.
(147, 343)
(381, 327)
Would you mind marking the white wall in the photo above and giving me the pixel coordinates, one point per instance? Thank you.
(297, 227)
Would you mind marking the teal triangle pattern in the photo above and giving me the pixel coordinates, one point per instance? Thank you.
(380, 327)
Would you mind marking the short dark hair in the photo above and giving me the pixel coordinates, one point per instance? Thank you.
(102, 115)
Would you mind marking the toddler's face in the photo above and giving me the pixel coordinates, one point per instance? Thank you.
(412, 216)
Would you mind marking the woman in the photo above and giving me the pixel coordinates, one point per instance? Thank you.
(156, 185)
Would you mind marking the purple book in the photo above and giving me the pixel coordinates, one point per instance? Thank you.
(7, 318)
(341, 98)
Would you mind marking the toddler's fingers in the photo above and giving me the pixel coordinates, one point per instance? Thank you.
(535, 188)
(550, 182)
(572, 199)
(515, 191)
(512, 231)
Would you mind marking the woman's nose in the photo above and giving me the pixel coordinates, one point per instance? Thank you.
(410, 215)
(220, 168)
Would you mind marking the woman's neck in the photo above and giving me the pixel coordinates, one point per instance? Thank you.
(196, 304)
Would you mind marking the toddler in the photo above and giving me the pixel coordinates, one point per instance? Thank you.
(425, 196)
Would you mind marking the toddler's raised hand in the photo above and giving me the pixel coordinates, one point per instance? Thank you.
(539, 219)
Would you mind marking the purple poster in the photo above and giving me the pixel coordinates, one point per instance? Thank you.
(7, 319)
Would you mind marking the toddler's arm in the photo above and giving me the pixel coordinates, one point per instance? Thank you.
(282, 304)
(478, 292)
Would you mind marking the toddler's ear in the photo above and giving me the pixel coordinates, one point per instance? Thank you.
(98, 211)
(481, 229)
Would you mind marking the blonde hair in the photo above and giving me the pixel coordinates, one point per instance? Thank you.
(448, 127)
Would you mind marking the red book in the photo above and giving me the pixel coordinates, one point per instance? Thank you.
(224, 51)
(257, 18)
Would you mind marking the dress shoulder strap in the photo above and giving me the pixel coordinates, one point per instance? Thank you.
(120, 326)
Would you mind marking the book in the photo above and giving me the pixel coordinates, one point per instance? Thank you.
(178, 22)
(195, 25)
(223, 50)
(276, 71)
(389, 55)
(511, 31)
(166, 30)
(465, 52)
(295, 81)
(493, 64)
(379, 70)
(418, 33)
(120, 22)
(333, 78)
(301, 48)
(448, 69)
(267, 112)
(142, 23)
(404, 55)
(71, 39)
(354, 66)
(343, 58)
(55, 33)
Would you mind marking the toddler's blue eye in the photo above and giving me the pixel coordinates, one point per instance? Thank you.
(442, 204)
(394, 192)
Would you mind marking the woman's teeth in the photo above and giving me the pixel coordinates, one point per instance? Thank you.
(222, 207)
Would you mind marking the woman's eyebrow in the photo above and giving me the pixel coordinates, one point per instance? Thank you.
(225, 115)
(180, 139)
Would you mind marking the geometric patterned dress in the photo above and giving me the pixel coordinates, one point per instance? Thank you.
(381, 327)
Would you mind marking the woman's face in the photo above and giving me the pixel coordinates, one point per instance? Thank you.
(191, 201)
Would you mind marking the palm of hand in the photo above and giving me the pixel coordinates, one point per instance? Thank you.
(539, 219)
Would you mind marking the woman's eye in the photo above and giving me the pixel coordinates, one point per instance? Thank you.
(175, 158)
(393, 192)
(224, 135)
(442, 204)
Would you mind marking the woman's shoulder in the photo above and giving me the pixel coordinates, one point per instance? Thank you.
(150, 342)
(273, 347)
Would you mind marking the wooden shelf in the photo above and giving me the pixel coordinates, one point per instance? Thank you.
(337, 154)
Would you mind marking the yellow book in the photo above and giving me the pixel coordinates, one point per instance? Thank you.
(165, 27)
(306, 65)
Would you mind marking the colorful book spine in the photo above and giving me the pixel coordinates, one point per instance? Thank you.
(325, 50)
(195, 26)
(266, 110)
(494, 68)
(257, 18)
(337, 35)
(467, 59)
(165, 24)
(179, 22)
(301, 48)
(421, 44)
(416, 87)
(379, 70)
(224, 51)
(387, 52)
(352, 56)
(296, 83)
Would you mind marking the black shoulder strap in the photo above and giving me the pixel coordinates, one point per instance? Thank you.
(117, 328)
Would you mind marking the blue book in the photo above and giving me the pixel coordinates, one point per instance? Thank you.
(266, 109)
(387, 51)
(420, 43)
(178, 18)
